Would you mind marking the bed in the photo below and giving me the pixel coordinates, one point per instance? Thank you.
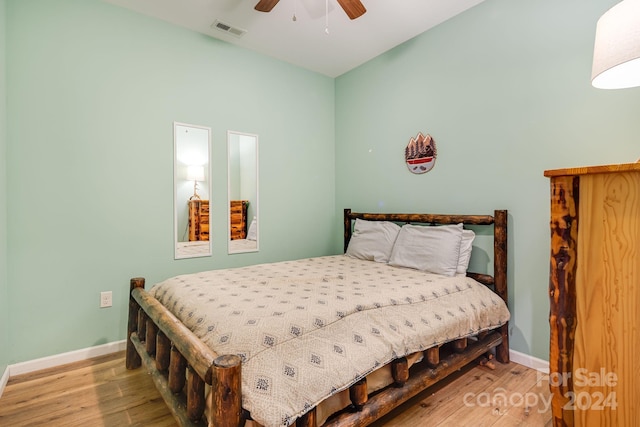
(248, 243)
(334, 341)
(242, 245)
(187, 249)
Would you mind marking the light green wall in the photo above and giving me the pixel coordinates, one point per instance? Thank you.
(92, 92)
(4, 304)
(505, 91)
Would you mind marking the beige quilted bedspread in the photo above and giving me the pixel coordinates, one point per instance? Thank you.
(309, 328)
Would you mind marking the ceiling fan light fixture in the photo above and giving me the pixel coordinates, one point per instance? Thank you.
(266, 5)
(353, 8)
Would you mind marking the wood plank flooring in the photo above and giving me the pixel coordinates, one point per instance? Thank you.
(101, 392)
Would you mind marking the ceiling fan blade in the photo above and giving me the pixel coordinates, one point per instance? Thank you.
(353, 8)
(266, 5)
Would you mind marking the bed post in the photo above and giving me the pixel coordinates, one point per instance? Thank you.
(133, 359)
(500, 276)
(226, 395)
(347, 228)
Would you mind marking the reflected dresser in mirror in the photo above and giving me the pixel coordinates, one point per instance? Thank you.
(238, 218)
(198, 220)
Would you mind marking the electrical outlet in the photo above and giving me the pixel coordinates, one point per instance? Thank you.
(106, 299)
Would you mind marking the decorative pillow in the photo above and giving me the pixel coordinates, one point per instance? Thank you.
(372, 240)
(435, 249)
(252, 233)
(465, 251)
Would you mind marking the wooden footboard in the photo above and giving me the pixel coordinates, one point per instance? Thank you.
(182, 366)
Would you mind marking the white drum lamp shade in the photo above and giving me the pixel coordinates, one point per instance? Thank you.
(616, 55)
(195, 173)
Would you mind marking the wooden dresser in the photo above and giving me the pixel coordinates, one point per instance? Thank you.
(594, 289)
(238, 218)
(198, 220)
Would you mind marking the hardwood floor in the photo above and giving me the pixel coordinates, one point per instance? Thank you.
(101, 392)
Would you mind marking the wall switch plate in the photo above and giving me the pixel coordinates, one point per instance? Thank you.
(106, 299)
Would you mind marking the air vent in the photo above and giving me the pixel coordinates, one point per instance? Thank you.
(226, 28)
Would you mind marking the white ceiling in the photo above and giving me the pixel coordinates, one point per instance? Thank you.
(386, 24)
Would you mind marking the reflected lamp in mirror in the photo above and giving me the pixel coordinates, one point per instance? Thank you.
(616, 54)
(192, 189)
(195, 173)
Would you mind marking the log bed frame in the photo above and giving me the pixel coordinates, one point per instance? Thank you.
(181, 365)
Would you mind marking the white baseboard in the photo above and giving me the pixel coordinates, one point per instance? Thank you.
(64, 358)
(101, 350)
(529, 361)
(3, 380)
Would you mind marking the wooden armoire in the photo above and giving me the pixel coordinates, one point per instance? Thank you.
(594, 290)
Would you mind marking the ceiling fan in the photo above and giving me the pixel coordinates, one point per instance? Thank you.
(353, 8)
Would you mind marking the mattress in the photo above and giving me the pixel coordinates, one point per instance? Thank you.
(308, 329)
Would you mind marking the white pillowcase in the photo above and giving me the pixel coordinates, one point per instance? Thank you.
(465, 251)
(372, 240)
(252, 234)
(435, 249)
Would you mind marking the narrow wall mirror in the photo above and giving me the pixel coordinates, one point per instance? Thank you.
(242, 155)
(192, 190)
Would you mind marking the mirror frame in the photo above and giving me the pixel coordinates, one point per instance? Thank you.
(256, 209)
(204, 250)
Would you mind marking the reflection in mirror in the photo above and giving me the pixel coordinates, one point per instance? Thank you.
(243, 192)
(192, 187)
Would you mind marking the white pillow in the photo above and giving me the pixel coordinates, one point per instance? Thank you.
(252, 234)
(372, 240)
(465, 251)
(435, 249)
